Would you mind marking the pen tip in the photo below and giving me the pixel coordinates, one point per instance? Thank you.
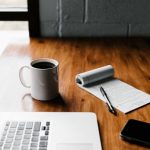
(115, 113)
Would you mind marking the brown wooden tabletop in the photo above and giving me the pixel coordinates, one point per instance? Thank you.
(129, 57)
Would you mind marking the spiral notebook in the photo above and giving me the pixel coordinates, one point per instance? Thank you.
(123, 96)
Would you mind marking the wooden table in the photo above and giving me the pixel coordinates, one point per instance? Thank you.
(129, 57)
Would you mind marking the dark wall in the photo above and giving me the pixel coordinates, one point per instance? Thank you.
(98, 18)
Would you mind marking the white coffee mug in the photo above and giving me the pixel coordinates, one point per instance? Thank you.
(44, 78)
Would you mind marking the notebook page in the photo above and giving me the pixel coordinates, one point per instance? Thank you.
(124, 96)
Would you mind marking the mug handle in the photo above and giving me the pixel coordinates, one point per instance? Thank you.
(21, 76)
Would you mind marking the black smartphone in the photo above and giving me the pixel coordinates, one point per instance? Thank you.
(137, 132)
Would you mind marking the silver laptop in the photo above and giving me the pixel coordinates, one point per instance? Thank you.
(49, 131)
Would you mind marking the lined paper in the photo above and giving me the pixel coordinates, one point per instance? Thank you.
(123, 96)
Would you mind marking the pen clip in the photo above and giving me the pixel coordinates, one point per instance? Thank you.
(102, 91)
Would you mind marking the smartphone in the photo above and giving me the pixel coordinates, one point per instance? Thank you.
(137, 132)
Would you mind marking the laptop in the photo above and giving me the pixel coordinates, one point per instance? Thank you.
(49, 131)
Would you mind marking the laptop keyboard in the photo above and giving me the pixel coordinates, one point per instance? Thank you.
(25, 136)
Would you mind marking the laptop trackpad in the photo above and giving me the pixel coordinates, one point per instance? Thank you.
(74, 146)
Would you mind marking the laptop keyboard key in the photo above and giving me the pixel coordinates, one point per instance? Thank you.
(12, 130)
(1, 144)
(28, 131)
(17, 143)
(27, 136)
(44, 138)
(35, 133)
(34, 139)
(19, 132)
(14, 124)
(34, 144)
(9, 140)
(29, 125)
(21, 128)
(6, 128)
(4, 133)
(7, 123)
(46, 132)
(43, 144)
(22, 124)
(33, 148)
(3, 138)
(18, 137)
(24, 148)
(15, 148)
(47, 123)
(26, 141)
(37, 126)
(10, 135)
(7, 146)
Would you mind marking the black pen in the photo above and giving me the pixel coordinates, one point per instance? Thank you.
(108, 103)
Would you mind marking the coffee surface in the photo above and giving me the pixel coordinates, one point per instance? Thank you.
(43, 65)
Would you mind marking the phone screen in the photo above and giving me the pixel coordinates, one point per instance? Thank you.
(137, 130)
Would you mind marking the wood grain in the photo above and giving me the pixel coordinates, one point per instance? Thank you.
(129, 57)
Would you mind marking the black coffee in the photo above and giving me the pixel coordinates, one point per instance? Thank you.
(43, 65)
